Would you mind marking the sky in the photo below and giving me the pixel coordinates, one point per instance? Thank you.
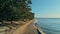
(46, 8)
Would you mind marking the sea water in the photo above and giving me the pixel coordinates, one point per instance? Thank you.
(49, 25)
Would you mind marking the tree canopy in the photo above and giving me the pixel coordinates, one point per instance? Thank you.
(12, 10)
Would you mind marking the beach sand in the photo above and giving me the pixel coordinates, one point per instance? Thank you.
(28, 28)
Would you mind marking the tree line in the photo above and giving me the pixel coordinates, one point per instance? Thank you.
(14, 10)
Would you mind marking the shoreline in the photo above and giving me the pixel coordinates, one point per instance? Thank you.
(38, 28)
(30, 27)
(26, 29)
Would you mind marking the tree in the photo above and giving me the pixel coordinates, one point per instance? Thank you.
(13, 10)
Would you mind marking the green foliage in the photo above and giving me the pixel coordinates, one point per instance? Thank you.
(12, 10)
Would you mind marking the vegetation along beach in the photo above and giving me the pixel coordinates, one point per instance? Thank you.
(16, 17)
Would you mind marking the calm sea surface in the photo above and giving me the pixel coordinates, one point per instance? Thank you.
(49, 25)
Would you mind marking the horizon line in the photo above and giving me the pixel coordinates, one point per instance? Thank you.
(45, 17)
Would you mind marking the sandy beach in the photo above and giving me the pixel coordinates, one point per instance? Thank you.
(28, 28)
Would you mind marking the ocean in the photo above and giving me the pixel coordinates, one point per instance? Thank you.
(49, 25)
